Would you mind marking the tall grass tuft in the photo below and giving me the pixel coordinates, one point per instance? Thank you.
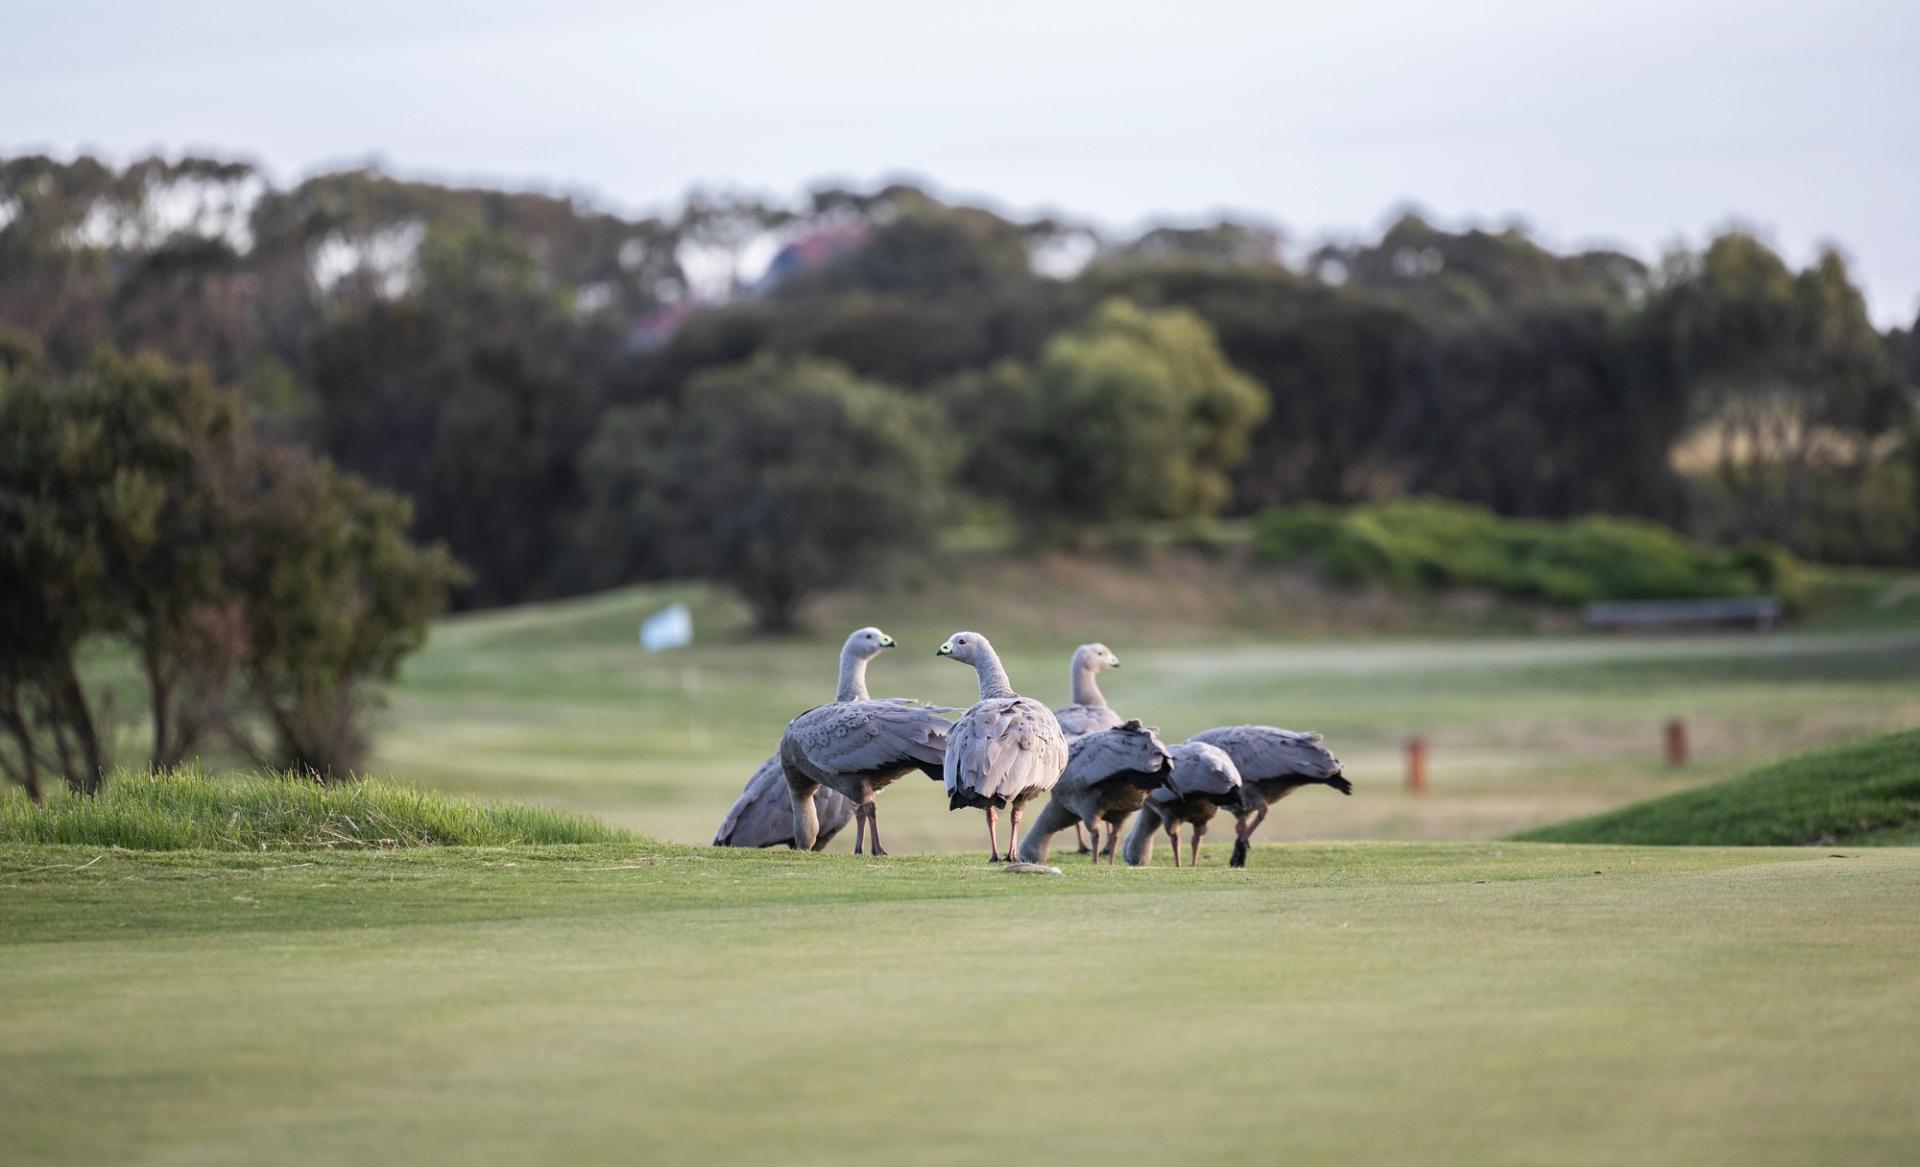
(188, 809)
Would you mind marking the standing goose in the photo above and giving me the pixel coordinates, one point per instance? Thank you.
(1273, 764)
(1204, 780)
(1108, 777)
(1004, 750)
(1089, 711)
(763, 814)
(857, 747)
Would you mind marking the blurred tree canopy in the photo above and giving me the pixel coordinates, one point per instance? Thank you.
(778, 478)
(1130, 415)
(499, 357)
(136, 504)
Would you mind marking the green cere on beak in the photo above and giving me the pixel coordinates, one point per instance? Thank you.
(945, 649)
(886, 641)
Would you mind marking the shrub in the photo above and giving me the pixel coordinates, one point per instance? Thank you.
(1426, 544)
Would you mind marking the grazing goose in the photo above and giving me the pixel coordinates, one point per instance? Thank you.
(1108, 776)
(1004, 750)
(1204, 780)
(1273, 764)
(1089, 712)
(857, 747)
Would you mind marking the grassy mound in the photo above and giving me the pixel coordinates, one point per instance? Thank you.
(1432, 543)
(186, 809)
(1866, 792)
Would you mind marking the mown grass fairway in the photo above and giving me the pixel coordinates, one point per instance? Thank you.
(1474, 1004)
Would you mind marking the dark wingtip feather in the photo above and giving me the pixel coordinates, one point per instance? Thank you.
(1340, 783)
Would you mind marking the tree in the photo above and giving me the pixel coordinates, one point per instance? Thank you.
(1790, 383)
(473, 394)
(1132, 415)
(778, 478)
(1556, 410)
(332, 595)
(137, 505)
(1336, 367)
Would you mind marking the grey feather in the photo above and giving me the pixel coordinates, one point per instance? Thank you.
(763, 814)
(1079, 720)
(858, 747)
(1003, 750)
(1203, 780)
(1107, 778)
(1273, 762)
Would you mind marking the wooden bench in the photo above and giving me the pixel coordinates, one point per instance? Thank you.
(1614, 615)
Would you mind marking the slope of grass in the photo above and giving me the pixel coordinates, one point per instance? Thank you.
(186, 808)
(1472, 1004)
(1865, 792)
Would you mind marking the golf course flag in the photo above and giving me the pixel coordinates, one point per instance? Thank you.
(670, 627)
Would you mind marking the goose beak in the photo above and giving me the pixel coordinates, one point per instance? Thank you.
(944, 650)
(887, 641)
(1115, 663)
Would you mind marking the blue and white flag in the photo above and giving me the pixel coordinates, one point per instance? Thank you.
(670, 627)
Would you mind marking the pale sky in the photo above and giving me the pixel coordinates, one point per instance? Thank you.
(1633, 123)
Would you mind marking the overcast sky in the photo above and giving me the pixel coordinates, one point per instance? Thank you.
(1631, 123)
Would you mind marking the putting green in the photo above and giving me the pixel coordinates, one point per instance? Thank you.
(1458, 1003)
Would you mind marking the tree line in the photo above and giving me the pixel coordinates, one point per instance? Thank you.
(572, 398)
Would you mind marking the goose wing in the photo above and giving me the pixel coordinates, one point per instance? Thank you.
(1263, 752)
(864, 737)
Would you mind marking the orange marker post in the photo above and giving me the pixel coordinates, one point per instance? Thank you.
(1416, 766)
(1676, 742)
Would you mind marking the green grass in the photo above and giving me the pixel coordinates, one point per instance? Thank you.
(186, 809)
(556, 702)
(1472, 1004)
(1862, 793)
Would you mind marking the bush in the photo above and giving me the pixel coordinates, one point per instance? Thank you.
(1429, 544)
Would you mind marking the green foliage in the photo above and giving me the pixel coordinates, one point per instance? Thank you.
(137, 504)
(1132, 415)
(332, 594)
(188, 809)
(777, 478)
(474, 395)
(1429, 544)
(1858, 793)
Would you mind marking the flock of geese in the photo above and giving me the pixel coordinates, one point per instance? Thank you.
(1007, 750)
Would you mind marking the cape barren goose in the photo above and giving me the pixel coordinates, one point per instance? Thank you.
(857, 747)
(1089, 712)
(1108, 777)
(1002, 752)
(1203, 780)
(1273, 764)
